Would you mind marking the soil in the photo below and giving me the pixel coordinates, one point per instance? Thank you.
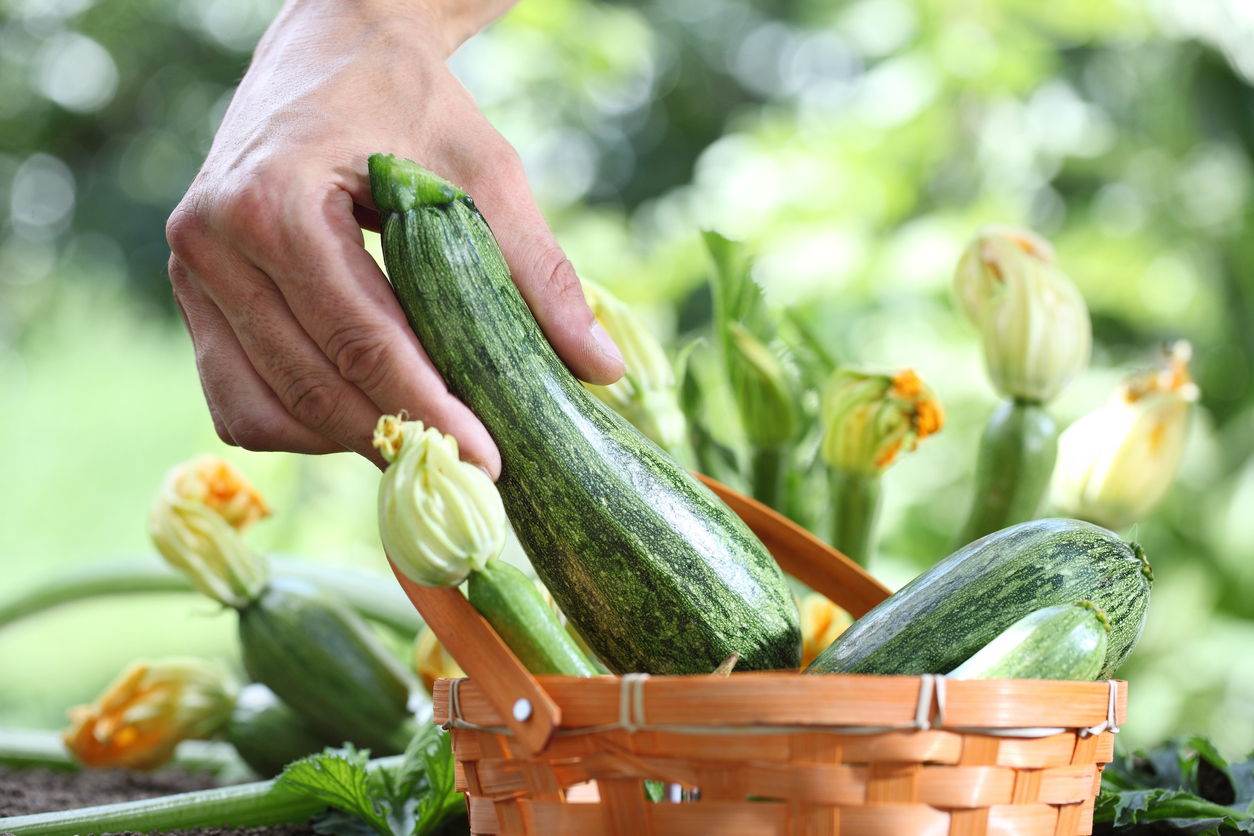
(25, 791)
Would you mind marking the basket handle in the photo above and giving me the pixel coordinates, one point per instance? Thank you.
(804, 556)
(488, 661)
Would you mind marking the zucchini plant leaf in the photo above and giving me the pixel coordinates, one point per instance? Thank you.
(409, 798)
(339, 778)
(1181, 787)
(441, 798)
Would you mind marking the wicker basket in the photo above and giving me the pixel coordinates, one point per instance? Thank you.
(767, 753)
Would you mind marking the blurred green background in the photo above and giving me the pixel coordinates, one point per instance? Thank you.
(855, 145)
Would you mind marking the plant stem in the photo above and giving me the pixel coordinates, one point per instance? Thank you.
(768, 475)
(243, 805)
(376, 598)
(855, 499)
(26, 748)
(1017, 453)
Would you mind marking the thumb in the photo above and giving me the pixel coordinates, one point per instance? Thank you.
(544, 275)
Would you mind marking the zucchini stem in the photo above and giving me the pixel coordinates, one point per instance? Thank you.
(768, 475)
(243, 805)
(1017, 452)
(855, 499)
(376, 598)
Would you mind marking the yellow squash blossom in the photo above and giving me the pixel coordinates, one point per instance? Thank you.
(196, 520)
(1032, 318)
(439, 518)
(821, 622)
(869, 418)
(147, 711)
(432, 661)
(1116, 463)
(646, 395)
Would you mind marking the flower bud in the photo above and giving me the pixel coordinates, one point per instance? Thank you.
(432, 661)
(147, 711)
(1032, 318)
(870, 418)
(762, 389)
(439, 518)
(1116, 463)
(647, 394)
(196, 520)
(821, 622)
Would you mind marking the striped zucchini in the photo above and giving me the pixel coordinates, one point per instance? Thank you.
(268, 734)
(1063, 642)
(942, 617)
(319, 657)
(514, 607)
(655, 572)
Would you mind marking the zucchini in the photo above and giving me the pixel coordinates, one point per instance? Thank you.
(268, 734)
(514, 607)
(319, 657)
(1063, 642)
(942, 617)
(655, 572)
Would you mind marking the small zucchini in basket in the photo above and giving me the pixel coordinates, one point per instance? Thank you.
(942, 617)
(1063, 642)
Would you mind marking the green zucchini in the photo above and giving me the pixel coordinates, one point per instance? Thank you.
(942, 617)
(320, 658)
(1063, 642)
(268, 734)
(1017, 453)
(513, 606)
(656, 573)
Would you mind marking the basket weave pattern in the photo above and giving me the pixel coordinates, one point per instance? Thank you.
(816, 781)
(766, 753)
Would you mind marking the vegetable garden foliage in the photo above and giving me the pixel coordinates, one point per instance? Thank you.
(1183, 786)
(411, 799)
(854, 145)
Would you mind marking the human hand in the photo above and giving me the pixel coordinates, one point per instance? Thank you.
(299, 340)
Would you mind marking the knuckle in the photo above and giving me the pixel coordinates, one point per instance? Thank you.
(249, 208)
(311, 401)
(251, 433)
(186, 228)
(360, 354)
(558, 281)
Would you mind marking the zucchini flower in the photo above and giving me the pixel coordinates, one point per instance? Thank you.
(647, 394)
(196, 520)
(439, 518)
(869, 419)
(1033, 320)
(1116, 463)
(821, 622)
(432, 661)
(765, 399)
(762, 390)
(148, 710)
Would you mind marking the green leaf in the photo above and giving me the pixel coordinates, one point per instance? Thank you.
(442, 798)
(339, 778)
(1184, 786)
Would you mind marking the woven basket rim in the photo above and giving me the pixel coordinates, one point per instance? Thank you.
(786, 699)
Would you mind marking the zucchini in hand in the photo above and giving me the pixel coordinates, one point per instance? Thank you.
(1063, 642)
(657, 574)
(945, 615)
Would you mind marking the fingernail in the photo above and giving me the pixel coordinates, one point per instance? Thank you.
(606, 342)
